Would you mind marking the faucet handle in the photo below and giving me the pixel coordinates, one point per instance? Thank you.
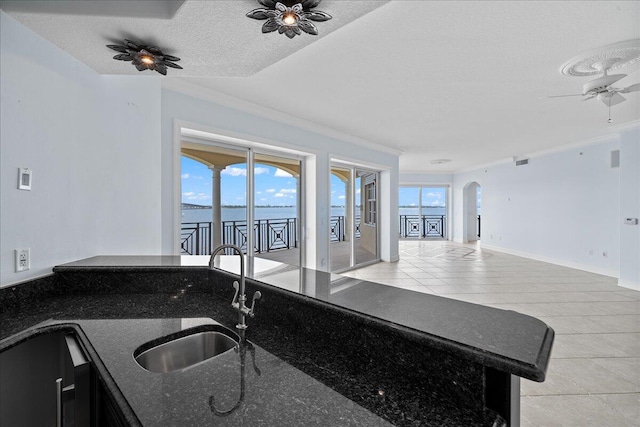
(234, 302)
(256, 296)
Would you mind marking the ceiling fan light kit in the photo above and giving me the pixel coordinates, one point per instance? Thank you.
(289, 18)
(601, 61)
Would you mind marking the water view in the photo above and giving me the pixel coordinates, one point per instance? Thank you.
(239, 213)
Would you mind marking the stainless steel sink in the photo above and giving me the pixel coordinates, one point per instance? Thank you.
(185, 349)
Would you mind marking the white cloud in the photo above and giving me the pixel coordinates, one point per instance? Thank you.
(282, 174)
(188, 193)
(358, 191)
(260, 171)
(234, 171)
(258, 192)
(436, 195)
(184, 176)
(278, 195)
(263, 199)
(341, 197)
(412, 204)
(271, 190)
(288, 190)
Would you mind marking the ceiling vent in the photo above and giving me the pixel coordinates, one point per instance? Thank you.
(522, 162)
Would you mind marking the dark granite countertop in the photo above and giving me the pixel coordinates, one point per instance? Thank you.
(295, 374)
(273, 393)
(505, 340)
(329, 347)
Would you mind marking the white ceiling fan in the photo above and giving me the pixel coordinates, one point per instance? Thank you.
(600, 62)
(602, 89)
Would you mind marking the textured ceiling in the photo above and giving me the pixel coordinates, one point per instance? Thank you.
(460, 80)
(213, 38)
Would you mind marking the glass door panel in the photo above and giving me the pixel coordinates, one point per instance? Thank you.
(214, 204)
(410, 219)
(277, 208)
(433, 210)
(340, 219)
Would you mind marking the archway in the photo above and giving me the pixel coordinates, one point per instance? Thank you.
(470, 212)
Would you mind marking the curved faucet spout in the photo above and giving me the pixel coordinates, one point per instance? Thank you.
(240, 297)
(239, 252)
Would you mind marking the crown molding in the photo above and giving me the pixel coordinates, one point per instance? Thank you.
(565, 147)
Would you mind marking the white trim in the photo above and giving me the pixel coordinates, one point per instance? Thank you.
(395, 258)
(635, 286)
(177, 187)
(210, 95)
(350, 162)
(550, 260)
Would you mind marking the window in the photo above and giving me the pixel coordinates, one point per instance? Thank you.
(370, 216)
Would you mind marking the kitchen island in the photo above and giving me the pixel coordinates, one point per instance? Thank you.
(401, 357)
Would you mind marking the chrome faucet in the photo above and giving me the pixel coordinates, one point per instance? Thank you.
(240, 298)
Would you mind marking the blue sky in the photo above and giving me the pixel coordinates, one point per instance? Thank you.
(276, 187)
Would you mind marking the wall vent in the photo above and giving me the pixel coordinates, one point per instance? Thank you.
(615, 159)
(522, 162)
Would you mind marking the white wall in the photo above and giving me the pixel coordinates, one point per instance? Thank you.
(562, 207)
(232, 122)
(93, 143)
(630, 208)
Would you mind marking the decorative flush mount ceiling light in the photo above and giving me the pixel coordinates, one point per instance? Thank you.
(144, 57)
(289, 18)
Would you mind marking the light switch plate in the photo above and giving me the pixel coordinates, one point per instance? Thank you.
(24, 179)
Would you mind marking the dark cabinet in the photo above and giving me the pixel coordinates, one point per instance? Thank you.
(46, 381)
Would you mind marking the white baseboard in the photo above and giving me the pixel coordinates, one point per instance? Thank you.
(590, 268)
(629, 285)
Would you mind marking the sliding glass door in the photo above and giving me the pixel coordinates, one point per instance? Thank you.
(423, 212)
(216, 180)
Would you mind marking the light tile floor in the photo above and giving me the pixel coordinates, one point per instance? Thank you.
(594, 373)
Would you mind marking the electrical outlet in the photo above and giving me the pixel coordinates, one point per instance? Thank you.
(23, 259)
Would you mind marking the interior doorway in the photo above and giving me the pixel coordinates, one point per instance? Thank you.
(472, 201)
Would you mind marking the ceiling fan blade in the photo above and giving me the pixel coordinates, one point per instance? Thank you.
(632, 88)
(589, 97)
(563, 96)
(612, 100)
